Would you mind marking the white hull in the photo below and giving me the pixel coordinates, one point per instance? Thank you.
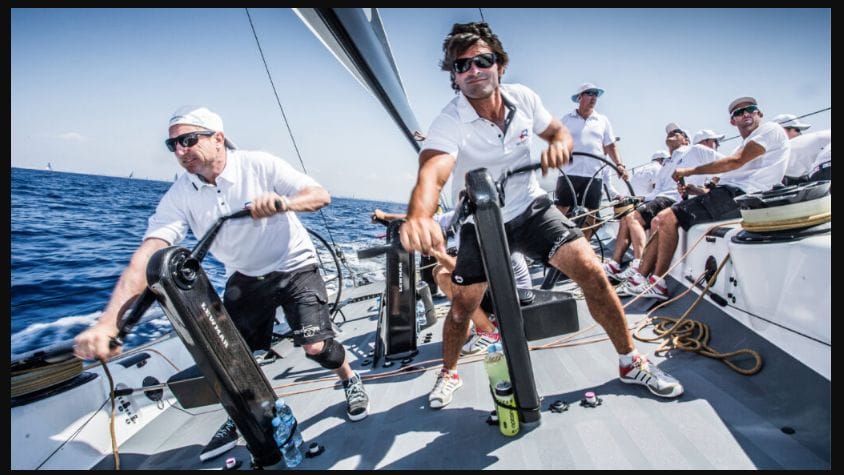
(787, 284)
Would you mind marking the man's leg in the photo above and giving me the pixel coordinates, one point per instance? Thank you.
(638, 237)
(575, 259)
(623, 238)
(466, 300)
(668, 238)
(479, 317)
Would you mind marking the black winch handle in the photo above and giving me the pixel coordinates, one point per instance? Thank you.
(147, 298)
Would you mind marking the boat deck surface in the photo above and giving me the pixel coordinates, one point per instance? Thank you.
(724, 420)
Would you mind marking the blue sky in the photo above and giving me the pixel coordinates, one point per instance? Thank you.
(92, 90)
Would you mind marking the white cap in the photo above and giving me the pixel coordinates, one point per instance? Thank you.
(585, 87)
(200, 117)
(741, 100)
(660, 155)
(791, 120)
(672, 126)
(704, 134)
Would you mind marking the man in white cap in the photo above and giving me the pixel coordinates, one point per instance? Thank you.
(792, 125)
(643, 177)
(805, 149)
(270, 260)
(757, 164)
(592, 133)
(490, 124)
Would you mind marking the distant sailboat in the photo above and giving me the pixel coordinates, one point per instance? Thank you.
(131, 174)
(49, 167)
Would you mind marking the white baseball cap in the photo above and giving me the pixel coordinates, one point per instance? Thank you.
(791, 120)
(741, 100)
(585, 87)
(660, 155)
(704, 134)
(200, 117)
(672, 126)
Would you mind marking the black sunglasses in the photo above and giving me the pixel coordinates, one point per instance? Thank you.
(739, 112)
(591, 92)
(187, 140)
(483, 61)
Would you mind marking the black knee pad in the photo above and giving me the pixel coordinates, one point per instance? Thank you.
(332, 355)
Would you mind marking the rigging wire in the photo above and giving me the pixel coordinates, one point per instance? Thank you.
(481, 10)
(293, 139)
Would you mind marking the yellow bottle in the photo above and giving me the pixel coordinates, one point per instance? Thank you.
(505, 405)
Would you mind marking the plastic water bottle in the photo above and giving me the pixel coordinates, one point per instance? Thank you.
(496, 364)
(421, 317)
(508, 415)
(284, 423)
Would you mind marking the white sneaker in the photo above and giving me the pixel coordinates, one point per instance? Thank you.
(612, 269)
(632, 269)
(641, 371)
(650, 288)
(447, 383)
(479, 341)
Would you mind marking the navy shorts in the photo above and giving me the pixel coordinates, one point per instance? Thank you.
(537, 233)
(579, 183)
(651, 208)
(717, 205)
(252, 303)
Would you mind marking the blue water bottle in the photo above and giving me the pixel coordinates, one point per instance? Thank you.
(285, 425)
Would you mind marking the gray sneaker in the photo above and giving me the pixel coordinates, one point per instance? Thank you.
(357, 401)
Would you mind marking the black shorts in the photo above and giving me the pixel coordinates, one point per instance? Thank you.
(252, 303)
(563, 192)
(717, 205)
(537, 233)
(824, 172)
(651, 208)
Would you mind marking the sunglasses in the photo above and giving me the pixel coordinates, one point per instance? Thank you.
(591, 92)
(187, 140)
(483, 61)
(748, 109)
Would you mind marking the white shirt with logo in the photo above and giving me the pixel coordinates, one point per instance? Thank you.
(477, 142)
(250, 246)
(766, 170)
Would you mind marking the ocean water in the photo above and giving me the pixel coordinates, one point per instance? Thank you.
(73, 234)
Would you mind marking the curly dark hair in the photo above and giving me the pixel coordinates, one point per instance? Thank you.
(462, 37)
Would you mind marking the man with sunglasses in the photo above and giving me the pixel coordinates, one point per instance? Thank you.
(592, 133)
(757, 164)
(490, 125)
(270, 260)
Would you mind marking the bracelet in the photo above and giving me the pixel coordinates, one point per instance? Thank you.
(285, 203)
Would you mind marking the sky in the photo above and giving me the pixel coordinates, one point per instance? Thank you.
(92, 89)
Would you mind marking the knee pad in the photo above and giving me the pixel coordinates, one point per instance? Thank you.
(332, 355)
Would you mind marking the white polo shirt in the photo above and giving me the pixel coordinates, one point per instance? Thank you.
(476, 142)
(804, 151)
(766, 170)
(250, 246)
(590, 135)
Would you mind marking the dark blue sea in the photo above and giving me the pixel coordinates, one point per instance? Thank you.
(73, 234)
